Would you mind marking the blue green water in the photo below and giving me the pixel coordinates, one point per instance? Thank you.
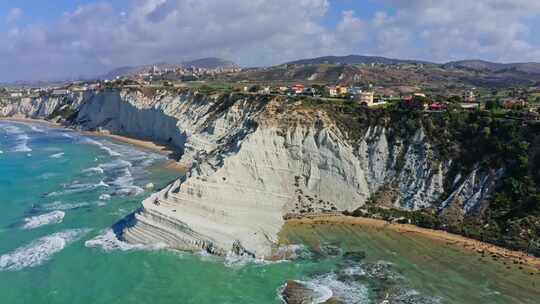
(61, 191)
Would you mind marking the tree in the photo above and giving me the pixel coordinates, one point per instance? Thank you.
(491, 105)
(455, 99)
(255, 88)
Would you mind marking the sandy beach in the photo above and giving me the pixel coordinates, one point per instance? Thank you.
(31, 120)
(484, 249)
(144, 144)
(148, 145)
(172, 164)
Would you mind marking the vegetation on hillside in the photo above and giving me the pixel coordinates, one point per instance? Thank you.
(472, 139)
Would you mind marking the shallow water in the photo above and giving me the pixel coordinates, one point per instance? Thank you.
(61, 191)
(442, 272)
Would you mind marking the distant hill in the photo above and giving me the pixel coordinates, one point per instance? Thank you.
(481, 65)
(355, 59)
(204, 63)
(445, 79)
(211, 63)
(476, 65)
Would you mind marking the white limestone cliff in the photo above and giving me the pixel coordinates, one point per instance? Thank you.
(252, 165)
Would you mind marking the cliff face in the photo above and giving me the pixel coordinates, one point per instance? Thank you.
(252, 163)
(31, 107)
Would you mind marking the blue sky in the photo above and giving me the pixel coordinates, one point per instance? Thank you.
(62, 38)
(38, 11)
(45, 12)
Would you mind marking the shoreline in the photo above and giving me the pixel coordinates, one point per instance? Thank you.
(472, 245)
(31, 120)
(171, 164)
(145, 144)
(139, 143)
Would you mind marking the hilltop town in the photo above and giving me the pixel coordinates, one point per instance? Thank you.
(378, 84)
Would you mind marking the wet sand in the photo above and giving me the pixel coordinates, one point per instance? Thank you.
(31, 120)
(484, 249)
(145, 144)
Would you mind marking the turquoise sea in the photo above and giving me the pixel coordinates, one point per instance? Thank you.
(60, 191)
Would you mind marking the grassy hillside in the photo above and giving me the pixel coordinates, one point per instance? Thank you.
(429, 77)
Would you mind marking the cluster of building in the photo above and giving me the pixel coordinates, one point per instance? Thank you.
(363, 96)
(420, 101)
(181, 72)
(366, 96)
(55, 91)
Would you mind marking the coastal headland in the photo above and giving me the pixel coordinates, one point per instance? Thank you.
(252, 159)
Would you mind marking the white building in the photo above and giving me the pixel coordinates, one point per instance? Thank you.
(366, 98)
(60, 92)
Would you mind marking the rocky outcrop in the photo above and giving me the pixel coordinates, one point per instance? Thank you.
(471, 195)
(296, 292)
(31, 107)
(252, 163)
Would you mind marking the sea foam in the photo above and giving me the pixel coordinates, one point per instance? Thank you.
(33, 222)
(36, 129)
(22, 143)
(63, 206)
(102, 146)
(39, 251)
(78, 188)
(108, 241)
(57, 155)
(97, 170)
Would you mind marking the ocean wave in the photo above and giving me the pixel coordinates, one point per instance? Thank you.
(78, 188)
(345, 292)
(358, 283)
(129, 191)
(103, 198)
(328, 287)
(21, 138)
(33, 222)
(21, 143)
(39, 251)
(116, 165)
(120, 178)
(102, 146)
(108, 241)
(12, 129)
(36, 129)
(239, 261)
(57, 155)
(97, 170)
(63, 206)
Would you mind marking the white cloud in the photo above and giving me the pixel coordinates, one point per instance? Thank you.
(14, 14)
(96, 37)
(492, 29)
